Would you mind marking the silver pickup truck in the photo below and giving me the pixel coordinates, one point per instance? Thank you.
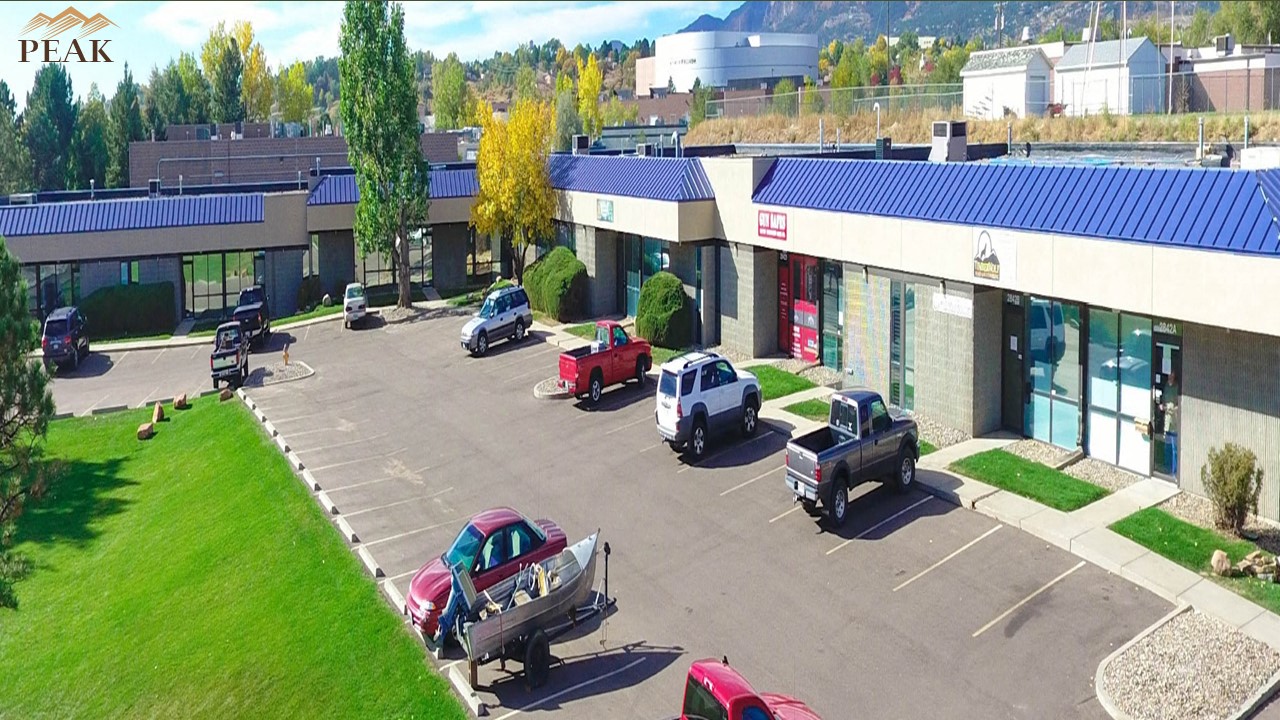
(862, 441)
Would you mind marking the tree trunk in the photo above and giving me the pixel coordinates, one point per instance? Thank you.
(517, 260)
(404, 270)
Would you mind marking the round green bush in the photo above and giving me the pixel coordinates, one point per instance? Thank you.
(664, 315)
(557, 285)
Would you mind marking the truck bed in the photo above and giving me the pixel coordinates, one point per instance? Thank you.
(817, 441)
(578, 353)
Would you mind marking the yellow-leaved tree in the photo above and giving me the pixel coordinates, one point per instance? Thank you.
(589, 82)
(256, 88)
(515, 202)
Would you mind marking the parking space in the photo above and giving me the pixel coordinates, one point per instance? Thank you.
(914, 608)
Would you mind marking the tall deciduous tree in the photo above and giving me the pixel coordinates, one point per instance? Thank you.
(567, 122)
(124, 127)
(91, 155)
(49, 124)
(196, 88)
(449, 93)
(589, 82)
(526, 83)
(380, 120)
(515, 202)
(294, 94)
(224, 68)
(256, 82)
(15, 162)
(25, 408)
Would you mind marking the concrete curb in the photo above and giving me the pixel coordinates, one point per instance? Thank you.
(108, 409)
(369, 562)
(310, 480)
(397, 600)
(271, 429)
(207, 393)
(345, 528)
(294, 459)
(328, 504)
(189, 341)
(1103, 698)
(468, 693)
(62, 416)
(281, 443)
(1259, 698)
(557, 394)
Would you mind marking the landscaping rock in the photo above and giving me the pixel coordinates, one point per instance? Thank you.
(157, 413)
(326, 300)
(180, 402)
(1220, 563)
(225, 395)
(146, 431)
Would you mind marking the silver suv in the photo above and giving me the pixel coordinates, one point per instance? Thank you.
(505, 314)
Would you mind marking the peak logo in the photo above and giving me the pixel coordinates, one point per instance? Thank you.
(49, 48)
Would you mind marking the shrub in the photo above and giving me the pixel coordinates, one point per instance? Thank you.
(664, 315)
(123, 310)
(557, 285)
(310, 293)
(1233, 481)
(498, 285)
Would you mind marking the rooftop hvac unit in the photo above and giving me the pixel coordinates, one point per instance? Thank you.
(646, 149)
(153, 187)
(884, 148)
(1224, 44)
(213, 131)
(22, 199)
(950, 139)
(581, 144)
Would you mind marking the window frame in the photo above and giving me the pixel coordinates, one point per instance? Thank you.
(502, 545)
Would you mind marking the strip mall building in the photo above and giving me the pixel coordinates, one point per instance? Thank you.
(1130, 312)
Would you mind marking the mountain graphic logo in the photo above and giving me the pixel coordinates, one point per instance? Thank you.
(67, 20)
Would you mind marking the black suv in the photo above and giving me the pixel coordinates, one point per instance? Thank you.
(66, 337)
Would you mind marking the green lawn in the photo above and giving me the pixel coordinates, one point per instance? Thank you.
(130, 338)
(191, 575)
(1029, 479)
(662, 355)
(775, 383)
(820, 411)
(206, 328)
(927, 447)
(586, 331)
(459, 297)
(1192, 546)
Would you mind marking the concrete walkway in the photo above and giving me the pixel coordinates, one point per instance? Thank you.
(1085, 533)
(181, 338)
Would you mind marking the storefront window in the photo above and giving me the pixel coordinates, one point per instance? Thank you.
(51, 286)
(902, 344)
(642, 258)
(1053, 347)
(1120, 390)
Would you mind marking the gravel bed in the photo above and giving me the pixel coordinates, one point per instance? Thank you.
(1102, 474)
(1037, 451)
(398, 314)
(549, 389)
(820, 375)
(1199, 511)
(733, 356)
(1191, 667)
(277, 373)
(938, 434)
(794, 365)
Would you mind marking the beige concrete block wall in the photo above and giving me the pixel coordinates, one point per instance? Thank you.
(748, 299)
(988, 352)
(1231, 393)
(944, 353)
(866, 328)
(598, 250)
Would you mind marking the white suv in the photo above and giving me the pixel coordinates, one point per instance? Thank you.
(700, 393)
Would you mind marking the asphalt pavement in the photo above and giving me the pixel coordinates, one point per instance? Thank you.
(916, 608)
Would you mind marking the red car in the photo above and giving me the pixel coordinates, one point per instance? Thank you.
(613, 358)
(493, 546)
(715, 691)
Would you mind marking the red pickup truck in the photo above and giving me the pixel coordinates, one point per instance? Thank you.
(715, 691)
(612, 358)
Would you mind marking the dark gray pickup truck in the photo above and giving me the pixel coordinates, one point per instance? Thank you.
(862, 441)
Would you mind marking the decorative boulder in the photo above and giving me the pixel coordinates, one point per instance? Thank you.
(1221, 563)
(326, 300)
(146, 430)
(225, 395)
(157, 413)
(180, 402)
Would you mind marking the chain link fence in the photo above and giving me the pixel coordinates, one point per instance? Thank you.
(841, 101)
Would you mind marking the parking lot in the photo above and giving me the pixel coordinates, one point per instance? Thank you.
(915, 609)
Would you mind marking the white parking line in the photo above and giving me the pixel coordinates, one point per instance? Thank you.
(96, 404)
(566, 691)
(935, 566)
(306, 333)
(362, 483)
(883, 522)
(524, 358)
(157, 357)
(527, 373)
(1028, 599)
(341, 444)
(739, 446)
(147, 399)
(359, 460)
(402, 576)
(765, 474)
(294, 419)
(398, 502)
(379, 541)
(116, 363)
(196, 351)
(776, 519)
(646, 418)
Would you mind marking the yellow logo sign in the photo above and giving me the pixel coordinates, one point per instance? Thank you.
(50, 28)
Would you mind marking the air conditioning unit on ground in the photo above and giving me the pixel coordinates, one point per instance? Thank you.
(950, 141)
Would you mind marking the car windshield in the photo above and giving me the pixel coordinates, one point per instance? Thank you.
(464, 548)
(667, 384)
(700, 704)
(55, 328)
(487, 310)
(355, 291)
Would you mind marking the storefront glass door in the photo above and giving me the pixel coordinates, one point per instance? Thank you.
(1119, 427)
(1167, 415)
(631, 268)
(1053, 368)
(832, 314)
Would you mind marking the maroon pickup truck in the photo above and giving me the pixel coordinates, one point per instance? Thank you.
(612, 358)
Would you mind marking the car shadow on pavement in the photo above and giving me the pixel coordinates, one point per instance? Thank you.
(94, 364)
(276, 342)
(870, 513)
(503, 346)
(582, 676)
(731, 450)
(418, 314)
(368, 322)
(618, 397)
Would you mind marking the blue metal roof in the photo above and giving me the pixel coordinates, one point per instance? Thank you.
(131, 214)
(1186, 207)
(445, 184)
(654, 178)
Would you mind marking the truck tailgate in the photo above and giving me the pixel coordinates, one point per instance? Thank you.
(568, 367)
(800, 461)
(225, 361)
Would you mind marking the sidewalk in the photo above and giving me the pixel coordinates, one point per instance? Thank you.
(1085, 533)
(180, 337)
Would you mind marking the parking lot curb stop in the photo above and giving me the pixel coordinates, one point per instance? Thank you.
(367, 558)
(284, 446)
(108, 409)
(1103, 698)
(397, 600)
(294, 460)
(468, 693)
(62, 416)
(262, 417)
(347, 531)
(310, 480)
(323, 497)
(271, 429)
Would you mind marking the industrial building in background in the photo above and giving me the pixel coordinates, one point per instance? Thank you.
(727, 60)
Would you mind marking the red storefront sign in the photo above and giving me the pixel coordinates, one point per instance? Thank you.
(772, 225)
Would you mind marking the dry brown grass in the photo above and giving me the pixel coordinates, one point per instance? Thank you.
(914, 127)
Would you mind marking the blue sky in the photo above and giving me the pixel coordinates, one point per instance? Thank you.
(149, 33)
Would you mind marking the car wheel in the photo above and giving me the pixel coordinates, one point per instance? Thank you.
(839, 503)
(537, 660)
(677, 447)
(697, 446)
(215, 385)
(640, 370)
(750, 419)
(597, 388)
(809, 506)
(346, 324)
(519, 330)
(906, 474)
(75, 359)
(482, 344)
